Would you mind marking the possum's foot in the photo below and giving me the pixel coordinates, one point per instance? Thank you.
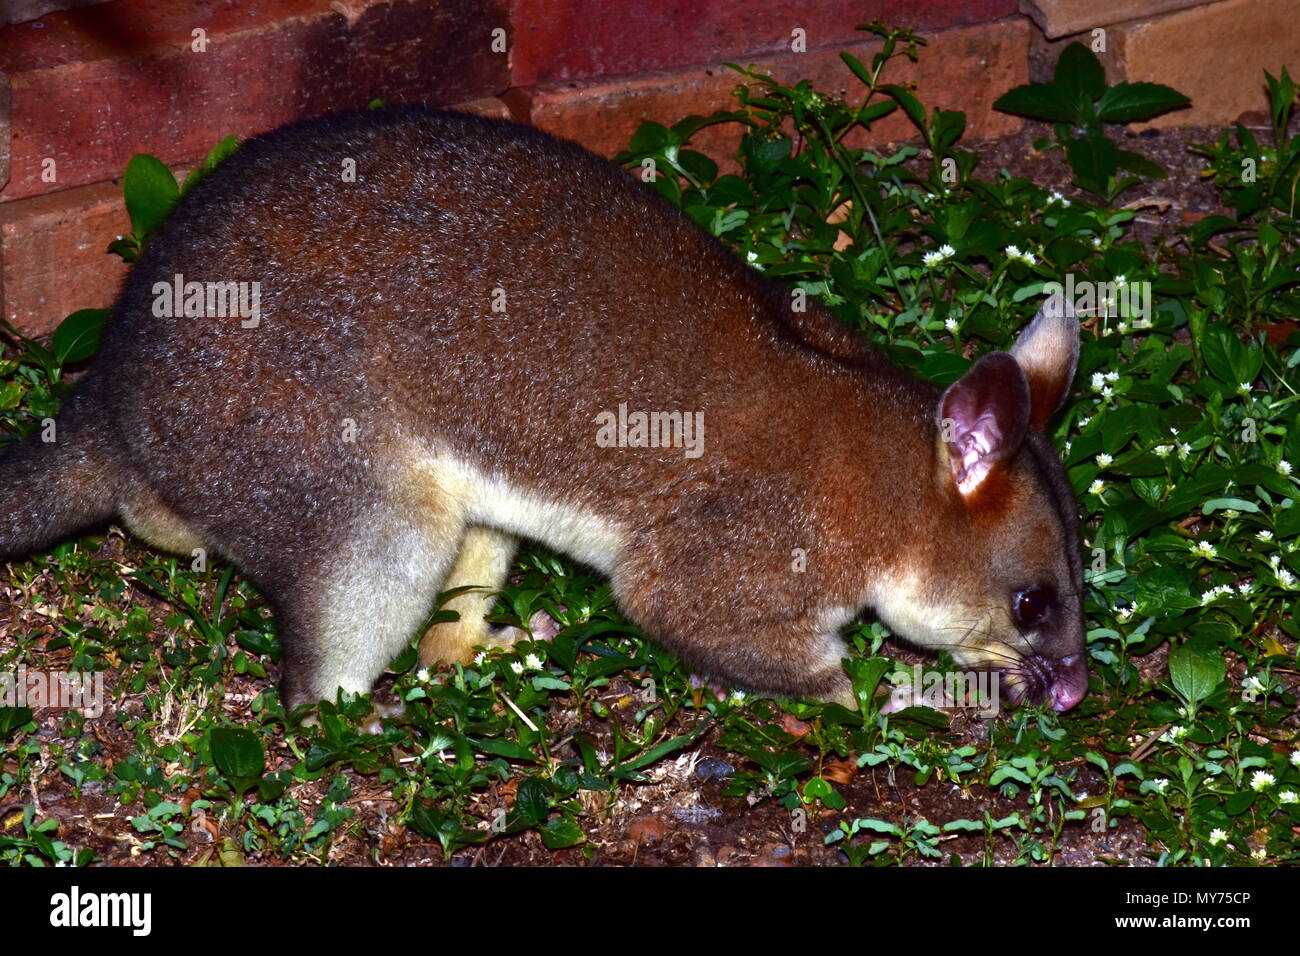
(541, 627)
(901, 698)
(379, 712)
(718, 691)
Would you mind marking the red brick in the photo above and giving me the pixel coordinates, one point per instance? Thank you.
(490, 106)
(1058, 18)
(966, 69)
(54, 260)
(1215, 54)
(92, 87)
(4, 130)
(558, 40)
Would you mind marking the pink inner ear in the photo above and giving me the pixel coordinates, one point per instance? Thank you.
(987, 411)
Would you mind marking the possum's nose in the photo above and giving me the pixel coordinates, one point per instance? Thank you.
(1070, 684)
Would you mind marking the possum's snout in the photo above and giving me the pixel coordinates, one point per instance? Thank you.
(1059, 682)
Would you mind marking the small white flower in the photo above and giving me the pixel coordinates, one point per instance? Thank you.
(1012, 252)
(1243, 388)
(1096, 242)
(931, 259)
(1176, 732)
(1124, 613)
(1204, 549)
(1285, 578)
(1251, 688)
(751, 255)
(1295, 757)
(1067, 446)
(1261, 854)
(1121, 279)
(1284, 467)
(1264, 535)
(1098, 380)
(1083, 422)
(1288, 796)
(1245, 587)
(479, 658)
(1097, 487)
(1107, 392)
(533, 662)
(1112, 376)
(950, 324)
(1184, 449)
(1218, 836)
(1261, 780)
(1122, 328)
(1160, 784)
(1104, 460)
(517, 666)
(1207, 597)
(947, 251)
(1275, 559)
(1162, 451)
(423, 675)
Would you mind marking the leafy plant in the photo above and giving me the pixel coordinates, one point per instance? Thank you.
(1081, 105)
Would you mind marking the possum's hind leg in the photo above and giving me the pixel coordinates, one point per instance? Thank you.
(343, 622)
(482, 563)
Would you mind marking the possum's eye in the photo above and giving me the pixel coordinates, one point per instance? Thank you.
(1031, 606)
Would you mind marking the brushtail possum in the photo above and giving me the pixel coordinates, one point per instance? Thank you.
(465, 332)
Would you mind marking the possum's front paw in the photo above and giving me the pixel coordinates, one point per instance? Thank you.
(454, 642)
(541, 627)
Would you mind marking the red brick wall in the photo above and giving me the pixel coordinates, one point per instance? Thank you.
(91, 87)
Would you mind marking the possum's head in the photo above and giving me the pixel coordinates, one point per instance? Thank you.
(999, 580)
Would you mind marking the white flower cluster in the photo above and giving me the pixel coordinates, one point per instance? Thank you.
(1013, 252)
(932, 259)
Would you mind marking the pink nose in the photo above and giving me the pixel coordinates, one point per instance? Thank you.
(1072, 684)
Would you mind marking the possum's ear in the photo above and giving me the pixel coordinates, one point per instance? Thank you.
(1048, 351)
(982, 419)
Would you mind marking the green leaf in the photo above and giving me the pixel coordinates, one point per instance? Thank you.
(1079, 70)
(1236, 504)
(77, 337)
(560, 833)
(1229, 359)
(668, 746)
(11, 718)
(150, 191)
(1136, 163)
(1093, 158)
(910, 104)
(237, 753)
(531, 801)
(860, 71)
(1126, 102)
(216, 156)
(1194, 674)
(1044, 101)
(504, 748)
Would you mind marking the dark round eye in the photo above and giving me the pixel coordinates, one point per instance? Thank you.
(1032, 605)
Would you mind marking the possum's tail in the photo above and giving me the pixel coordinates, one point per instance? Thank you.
(51, 489)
